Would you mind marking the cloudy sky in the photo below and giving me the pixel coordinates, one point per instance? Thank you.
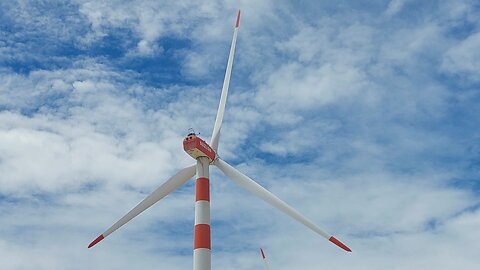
(363, 115)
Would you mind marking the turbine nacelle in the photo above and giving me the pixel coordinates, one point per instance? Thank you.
(196, 147)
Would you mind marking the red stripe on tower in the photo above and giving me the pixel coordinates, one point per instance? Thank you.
(202, 236)
(202, 192)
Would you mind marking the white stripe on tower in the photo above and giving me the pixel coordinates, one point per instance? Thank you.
(201, 234)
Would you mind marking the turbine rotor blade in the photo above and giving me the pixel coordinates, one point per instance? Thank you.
(166, 188)
(226, 83)
(252, 186)
(264, 260)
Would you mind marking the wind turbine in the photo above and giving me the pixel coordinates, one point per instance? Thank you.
(205, 155)
(264, 260)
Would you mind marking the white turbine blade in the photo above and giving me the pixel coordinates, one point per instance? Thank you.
(223, 97)
(252, 186)
(166, 188)
(264, 260)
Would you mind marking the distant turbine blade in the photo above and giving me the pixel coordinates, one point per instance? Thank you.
(166, 188)
(252, 186)
(226, 83)
(264, 260)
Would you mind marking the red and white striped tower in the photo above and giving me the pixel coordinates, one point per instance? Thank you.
(201, 234)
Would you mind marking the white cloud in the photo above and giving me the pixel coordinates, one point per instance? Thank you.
(394, 7)
(73, 140)
(296, 87)
(464, 58)
(149, 20)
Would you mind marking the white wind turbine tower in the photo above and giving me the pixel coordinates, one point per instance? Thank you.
(206, 155)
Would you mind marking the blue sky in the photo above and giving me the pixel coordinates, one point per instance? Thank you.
(364, 117)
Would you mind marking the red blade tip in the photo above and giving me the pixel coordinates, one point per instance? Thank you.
(98, 239)
(263, 255)
(238, 19)
(340, 244)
